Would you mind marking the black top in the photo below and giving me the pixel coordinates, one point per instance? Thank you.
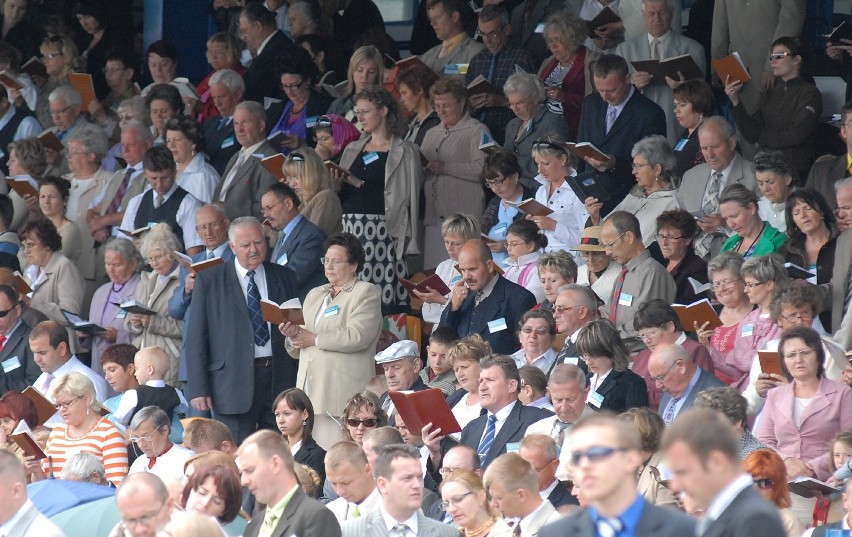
(691, 266)
(26, 38)
(689, 155)
(310, 454)
(167, 212)
(793, 251)
(369, 166)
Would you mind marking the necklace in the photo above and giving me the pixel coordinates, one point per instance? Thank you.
(751, 246)
(481, 529)
(82, 436)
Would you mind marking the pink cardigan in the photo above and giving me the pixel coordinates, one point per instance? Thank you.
(829, 411)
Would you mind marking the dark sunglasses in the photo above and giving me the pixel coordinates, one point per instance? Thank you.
(594, 454)
(5, 313)
(369, 422)
(763, 483)
(547, 144)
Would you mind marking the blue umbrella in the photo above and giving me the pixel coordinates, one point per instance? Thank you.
(53, 496)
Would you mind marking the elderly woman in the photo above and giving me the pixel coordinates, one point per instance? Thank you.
(223, 52)
(752, 236)
(366, 68)
(650, 426)
(693, 101)
(294, 416)
(465, 500)
(775, 181)
(61, 58)
(501, 173)
(335, 351)
(800, 418)
(26, 163)
(599, 272)
(555, 164)
(308, 176)
(555, 269)
(153, 292)
(332, 135)
(414, 85)
(770, 477)
(186, 142)
(361, 414)
(455, 163)
(83, 429)
(295, 120)
(654, 193)
(52, 199)
(532, 121)
(612, 385)
(524, 244)
(214, 491)
(566, 73)
(536, 330)
(164, 103)
(123, 264)
(675, 232)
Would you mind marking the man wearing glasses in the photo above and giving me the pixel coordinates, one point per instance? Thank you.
(144, 506)
(673, 371)
(149, 433)
(401, 364)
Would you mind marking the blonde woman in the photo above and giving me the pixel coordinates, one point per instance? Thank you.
(61, 57)
(465, 500)
(308, 177)
(366, 69)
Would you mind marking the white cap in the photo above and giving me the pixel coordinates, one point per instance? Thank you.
(399, 350)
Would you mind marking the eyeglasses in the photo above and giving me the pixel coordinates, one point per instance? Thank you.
(155, 258)
(363, 112)
(660, 237)
(144, 520)
(779, 55)
(330, 261)
(752, 285)
(455, 501)
(286, 87)
(61, 110)
(445, 106)
(267, 210)
(795, 317)
(537, 331)
(295, 156)
(30, 245)
(724, 284)
(491, 183)
(65, 406)
(491, 35)
(515, 244)
(146, 438)
(792, 355)
(763, 483)
(560, 309)
(609, 245)
(355, 422)
(445, 471)
(659, 378)
(648, 336)
(7, 312)
(209, 227)
(637, 165)
(594, 454)
(52, 55)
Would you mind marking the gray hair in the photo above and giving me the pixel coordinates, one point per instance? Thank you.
(566, 374)
(726, 400)
(656, 150)
(216, 206)
(93, 139)
(725, 128)
(542, 441)
(161, 237)
(229, 78)
(242, 221)
(156, 415)
(81, 466)
(127, 250)
(842, 183)
(668, 3)
(135, 105)
(766, 268)
(731, 261)
(140, 128)
(252, 107)
(584, 293)
(670, 354)
(559, 261)
(570, 29)
(66, 93)
(526, 84)
(494, 12)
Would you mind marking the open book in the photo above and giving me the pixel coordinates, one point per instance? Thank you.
(844, 31)
(78, 323)
(82, 82)
(289, 311)
(35, 68)
(698, 287)
(22, 187)
(798, 273)
(808, 487)
(731, 66)
(23, 436)
(532, 207)
(21, 284)
(586, 185)
(698, 312)
(587, 149)
(10, 81)
(50, 141)
(670, 67)
(136, 233)
(770, 362)
(480, 84)
(405, 63)
(44, 406)
(434, 281)
(425, 406)
(186, 262)
(273, 164)
(606, 16)
(331, 166)
(486, 141)
(131, 306)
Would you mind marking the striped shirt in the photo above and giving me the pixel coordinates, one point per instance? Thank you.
(104, 441)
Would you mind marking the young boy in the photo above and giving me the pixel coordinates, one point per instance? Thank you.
(438, 373)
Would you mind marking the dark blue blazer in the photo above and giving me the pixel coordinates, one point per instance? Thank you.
(304, 248)
(560, 496)
(656, 521)
(749, 514)
(639, 118)
(513, 430)
(261, 78)
(507, 300)
(214, 140)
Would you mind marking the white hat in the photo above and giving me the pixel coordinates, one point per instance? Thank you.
(399, 350)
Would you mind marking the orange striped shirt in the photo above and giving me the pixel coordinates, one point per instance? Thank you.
(104, 441)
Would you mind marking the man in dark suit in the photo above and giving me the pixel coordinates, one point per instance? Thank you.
(245, 180)
(506, 419)
(299, 246)
(401, 364)
(575, 307)
(236, 362)
(352, 19)
(261, 36)
(703, 454)
(540, 451)
(613, 118)
(606, 455)
(267, 470)
(680, 379)
(226, 90)
(485, 303)
(830, 168)
(19, 368)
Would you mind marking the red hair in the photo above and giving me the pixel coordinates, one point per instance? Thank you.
(17, 406)
(766, 464)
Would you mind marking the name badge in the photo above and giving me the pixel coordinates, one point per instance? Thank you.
(625, 299)
(454, 281)
(680, 144)
(283, 259)
(227, 142)
(747, 330)
(499, 228)
(539, 28)
(151, 224)
(513, 447)
(11, 364)
(370, 157)
(573, 360)
(331, 311)
(121, 314)
(497, 325)
(595, 399)
(311, 121)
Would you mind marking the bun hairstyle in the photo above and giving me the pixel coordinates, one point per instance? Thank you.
(528, 231)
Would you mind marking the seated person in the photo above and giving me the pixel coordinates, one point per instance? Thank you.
(401, 363)
(534, 388)
(676, 230)
(438, 372)
(149, 430)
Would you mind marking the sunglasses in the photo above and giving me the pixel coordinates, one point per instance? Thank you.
(369, 422)
(296, 157)
(763, 483)
(779, 55)
(547, 144)
(594, 454)
(6, 312)
(324, 121)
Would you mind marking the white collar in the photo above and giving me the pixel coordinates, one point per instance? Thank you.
(727, 495)
(504, 412)
(546, 492)
(265, 41)
(390, 521)
(9, 524)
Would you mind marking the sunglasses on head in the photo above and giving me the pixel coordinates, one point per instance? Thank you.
(547, 144)
(324, 121)
(296, 157)
(369, 422)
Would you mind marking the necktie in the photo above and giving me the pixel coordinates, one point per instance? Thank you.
(517, 531)
(710, 206)
(151, 462)
(492, 68)
(400, 529)
(616, 294)
(611, 116)
(115, 204)
(269, 523)
(386, 404)
(47, 381)
(668, 417)
(210, 255)
(231, 177)
(477, 298)
(609, 527)
(223, 123)
(559, 428)
(159, 201)
(261, 331)
(487, 439)
(2, 341)
(356, 512)
(655, 49)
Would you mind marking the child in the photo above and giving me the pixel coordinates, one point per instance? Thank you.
(525, 244)
(438, 373)
(840, 458)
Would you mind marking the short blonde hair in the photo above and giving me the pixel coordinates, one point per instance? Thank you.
(473, 348)
(154, 356)
(509, 471)
(76, 385)
(311, 171)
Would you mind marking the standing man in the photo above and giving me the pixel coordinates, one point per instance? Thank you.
(236, 362)
(19, 368)
(260, 34)
(513, 486)
(680, 380)
(18, 516)
(841, 286)
(226, 90)
(456, 47)
(703, 455)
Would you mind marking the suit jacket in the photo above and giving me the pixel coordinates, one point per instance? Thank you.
(261, 78)
(303, 516)
(561, 496)
(650, 488)
(91, 261)
(705, 381)
(826, 170)
(373, 525)
(513, 429)
(749, 514)
(656, 521)
(841, 326)
(137, 186)
(623, 390)
(546, 515)
(32, 522)
(220, 344)
(251, 182)
(17, 346)
(219, 144)
(507, 300)
(311, 454)
(303, 248)
(543, 123)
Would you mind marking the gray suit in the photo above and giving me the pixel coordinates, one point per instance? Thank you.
(373, 525)
(303, 516)
(32, 522)
(705, 380)
(841, 325)
(656, 521)
(252, 180)
(658, 91)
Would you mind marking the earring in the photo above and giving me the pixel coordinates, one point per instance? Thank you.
(304, 423)
(88, 411)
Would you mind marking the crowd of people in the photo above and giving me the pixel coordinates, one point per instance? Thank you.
(567, 203)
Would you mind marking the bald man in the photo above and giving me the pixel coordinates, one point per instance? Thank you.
(680, 380)
(485, 303)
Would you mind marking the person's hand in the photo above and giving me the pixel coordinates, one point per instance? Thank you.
(710, 223)
(641, 79)
(608, 30)
(16, 97)
(290, 141)
(96, 110)
(497, 246)
(704, 334)
(836, 52)
(34, 466)
(601, 165)
(288, 329)
(798, 468)
(767, 381)
(32, 204)
(766, 79)
(732, 90)
(672, 83)
(109, 334)
(101, 235)
(480, 100)
(189, 284)
(353, 181)
(846, 376)
(431, 297)
(303, 339)
(460, 292)
(555, 92)
(435, 166)
(323, 152)
(139, 320)
(202, 404)
(593, 207)
(545, 223)
(432, 440)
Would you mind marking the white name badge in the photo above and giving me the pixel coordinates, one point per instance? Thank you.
(283, 259)
(595, 399)
(625, 299)
(372, 156)
(497, 325)
(513, 447)
(227, 142)
(747, 330)
(573, 360)
(121, 314)
(539, 28)
(331, 311)
(454, 281)
(11, 364)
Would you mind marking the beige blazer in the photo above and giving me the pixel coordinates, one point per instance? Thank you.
(325, 212)
(61, 287)
(91, 262)
(650, 488)
(342, 360)
(403, 180)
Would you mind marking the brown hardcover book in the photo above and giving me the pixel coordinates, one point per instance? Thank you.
(532, 207)
(434, 281)
(670, 67)
(9, 81)
(290, 311)
(186, 262)
(35, 68)
(21, 284)
(27, 442)
(50, 141)
(405, 63)
(426, 406)
(22, 187)
(587, 149)
(331, 166)
(699, 312)
(44, 408)
(770, 362)
(82, 82)
(606, 16)
(808, 487)
(136, 233)
(731, 66)
(481, 85)
(273, 164)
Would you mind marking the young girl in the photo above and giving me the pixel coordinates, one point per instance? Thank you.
(840, 458)
(524, 243)
(294, 416)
